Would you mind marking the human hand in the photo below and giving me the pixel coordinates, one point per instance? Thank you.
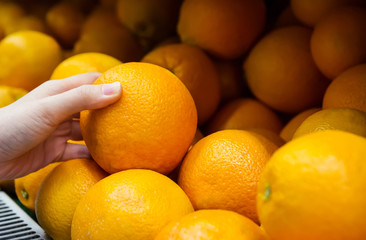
(35, 129)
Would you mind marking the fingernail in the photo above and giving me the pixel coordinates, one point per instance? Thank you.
(111, 88)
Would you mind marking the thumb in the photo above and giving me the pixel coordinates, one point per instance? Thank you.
(63, 105)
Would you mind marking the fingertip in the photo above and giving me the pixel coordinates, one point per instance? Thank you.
(112, 89)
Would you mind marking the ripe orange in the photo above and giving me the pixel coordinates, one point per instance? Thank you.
(151, 126)
(27, 22)
(338, 40)
(244, 113)
(348, 89)
(60, 193)
(310, 13)
(281, 73)
(65, 21)
(10, 13)
(27, 187)
(195, 69)
(312, 188)
(226, 29)
(10, 94)
(289, 129)
(27, 59)
(221, 171)
(154, 20)
(83, 63)
(131, 204)
(109, 38)
(212, 224)
(345, 119)
(99, 18)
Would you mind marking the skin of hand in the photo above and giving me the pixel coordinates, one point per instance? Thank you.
(35, 129)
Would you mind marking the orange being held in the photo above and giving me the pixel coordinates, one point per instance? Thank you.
(151, 126)
(27, 187)
(196, 70)
(315, 179)
(281, 72)
(212, 224)
(221, 171)
(348, 89)
(226, 29)
(244, 113)
(131, 204)
(338, 40)
(61, 191)
(28, 59)
(83, 63)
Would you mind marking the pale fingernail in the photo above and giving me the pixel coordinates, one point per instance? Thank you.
(111, 88)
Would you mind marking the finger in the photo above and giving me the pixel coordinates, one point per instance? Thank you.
(60, 106)
(75, 130)
(53, 87)
(73, 151)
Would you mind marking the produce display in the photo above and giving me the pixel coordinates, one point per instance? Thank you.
(238, 119)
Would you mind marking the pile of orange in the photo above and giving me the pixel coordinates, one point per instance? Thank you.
(237, 119)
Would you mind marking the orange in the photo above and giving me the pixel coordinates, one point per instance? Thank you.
(10, 13)
(311, 12)
(313, 188)
(345, 119)
(244, 113)
(28, 59)
(338, 40)
(27, 23)
(226, 29)
(348, 90)
(60, 193)
(212, 224)
(27, 187)
(65, 21)
(195, 69)
(151, 126)
(231, 78)
(2, 32)
(131, 204)
(109, 38)
(100, 18)
(10, 94)
(221, 171)
(289, 129)
(149, 19)
(83, 63)
(281, 73)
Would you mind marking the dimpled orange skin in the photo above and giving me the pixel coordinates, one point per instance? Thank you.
(151, 126)
(221, 171)
(314, 188)
(212, 224)
(61, 191)
(131, 204)
(196, 70)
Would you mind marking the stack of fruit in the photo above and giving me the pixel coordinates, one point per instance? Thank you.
(238, 119)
